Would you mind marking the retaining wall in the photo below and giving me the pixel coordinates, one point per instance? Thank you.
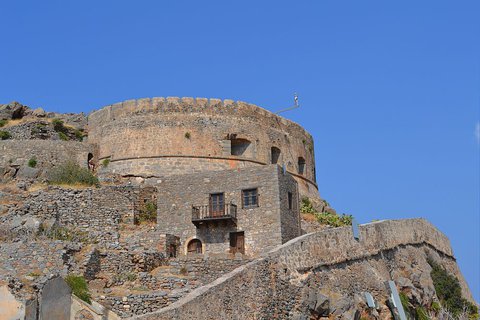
(266, 289)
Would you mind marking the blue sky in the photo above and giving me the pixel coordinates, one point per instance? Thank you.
(389, 90)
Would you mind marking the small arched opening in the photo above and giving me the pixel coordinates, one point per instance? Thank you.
(194, 247)
(275, 155)
(239, 147)
(91, 165)
(301, 165)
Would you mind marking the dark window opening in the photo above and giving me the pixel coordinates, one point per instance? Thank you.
(172, 251)
(239, 146)
(217, 204)
(301, 165)
(275, 155)
(90, 164)
(237, 242)
(194, 246)
(290, 201)
(250, 198)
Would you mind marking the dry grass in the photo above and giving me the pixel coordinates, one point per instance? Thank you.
(37, 186)
(310, 217)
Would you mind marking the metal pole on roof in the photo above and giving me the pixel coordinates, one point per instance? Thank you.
(295, 104)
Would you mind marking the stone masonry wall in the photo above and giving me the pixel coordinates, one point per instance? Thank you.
(159, 137)
(93, 211)
(289, 216)
(262, 224)
(279, 285)
(15, 154)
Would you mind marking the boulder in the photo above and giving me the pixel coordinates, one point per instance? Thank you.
(318, 303)
(26, 172)
(13, 110)
(39, 112)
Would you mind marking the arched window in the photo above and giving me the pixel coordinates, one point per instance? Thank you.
(275, 155)
(90, 163)
(194, 246)
(301, 165)
(239, 147)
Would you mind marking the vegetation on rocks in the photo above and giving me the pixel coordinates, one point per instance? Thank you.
(449, 292)
(4, 135)
(79, 287)
(105, 162)
(71, 173)
(32, 163)
(148, 213)
(326, 218)
(63, 136)
(3, 122)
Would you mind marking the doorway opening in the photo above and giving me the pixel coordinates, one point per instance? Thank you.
(237, 242)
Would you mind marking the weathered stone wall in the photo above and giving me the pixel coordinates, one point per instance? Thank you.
(262, 224)
(160, 137)
(15, 154)
(96, 212)
(289, 212)
(386, 250)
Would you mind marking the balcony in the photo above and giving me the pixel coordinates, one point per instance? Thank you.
(204, 214)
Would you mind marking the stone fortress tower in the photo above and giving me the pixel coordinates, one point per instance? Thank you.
(189, 208)
(159, 137)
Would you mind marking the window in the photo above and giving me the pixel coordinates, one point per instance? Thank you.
(275, 155)
(194, 246)
(239, 146)
(217, 205)
(301, 165)
(290, 201)
(250, 198)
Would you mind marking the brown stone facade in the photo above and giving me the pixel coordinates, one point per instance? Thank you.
(274, 221)
(158, 137)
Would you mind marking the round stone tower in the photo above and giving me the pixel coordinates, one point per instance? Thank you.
(158, 137)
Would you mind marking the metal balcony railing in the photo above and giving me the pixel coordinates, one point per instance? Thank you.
(213, 213)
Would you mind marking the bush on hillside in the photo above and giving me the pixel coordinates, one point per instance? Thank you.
(449, 292)
(79, 287)
(4, 135)
(71, 173)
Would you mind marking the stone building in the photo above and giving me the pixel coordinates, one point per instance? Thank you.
(248, 210)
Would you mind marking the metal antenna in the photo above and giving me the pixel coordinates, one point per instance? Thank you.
(295, 104)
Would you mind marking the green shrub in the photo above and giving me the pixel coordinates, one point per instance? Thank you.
(333, 219)
(58, 125)
(436, 307)
(79, 135)
(71, 173)
(65, 234)
(148, 213)
(105, 162)
(3, 122)
(327, 218)
(449, 292)
(79, 287)
(34, 274)
(32, 163)
(63, 136)
(421, 314)
(187, 135)
(4, 135)
(306, 206)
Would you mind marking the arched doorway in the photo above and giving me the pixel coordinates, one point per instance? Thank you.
(90, 163)
(194, 246)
